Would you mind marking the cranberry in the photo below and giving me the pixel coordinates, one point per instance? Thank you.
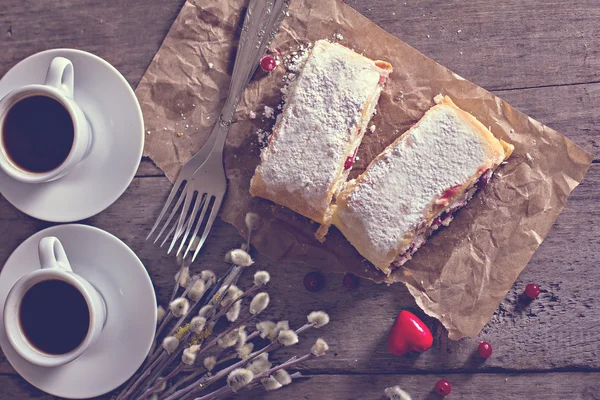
(443, 387)
(484, 350)
(268, 63)
(314, 281)
(350, 281)
(532, 291)
(349, 162)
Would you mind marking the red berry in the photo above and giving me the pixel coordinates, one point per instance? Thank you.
(443, 387)
(532, 291)
(268, 63)
(314, 281)
(484, 350)
(350, 281)
(349, 162)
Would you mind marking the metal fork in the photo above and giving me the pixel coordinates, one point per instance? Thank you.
(201, 184)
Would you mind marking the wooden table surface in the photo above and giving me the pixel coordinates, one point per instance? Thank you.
(543, 57)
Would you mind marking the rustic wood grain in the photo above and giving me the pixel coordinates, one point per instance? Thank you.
(551, 386)
(499, 44)
(542, 57)
(125, 33)
(557, 331)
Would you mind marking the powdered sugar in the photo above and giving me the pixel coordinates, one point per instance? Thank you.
(319, 123)
(390, 202)
(269, 112)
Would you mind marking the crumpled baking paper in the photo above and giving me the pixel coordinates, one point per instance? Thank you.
(464, 271)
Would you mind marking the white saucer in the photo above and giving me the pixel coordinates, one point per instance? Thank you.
(115, 116)
(122, 280)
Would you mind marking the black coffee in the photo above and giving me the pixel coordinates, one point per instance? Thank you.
(38, 133)
(54, 316)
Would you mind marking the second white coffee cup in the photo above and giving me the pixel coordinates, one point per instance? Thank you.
(54, 267)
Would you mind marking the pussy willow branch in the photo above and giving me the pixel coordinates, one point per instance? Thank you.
(182, 366)
(206, 381)
(221, 358)
(214, 319)
(155, 370)
(226, 391)
(142, 377)
(229, 329)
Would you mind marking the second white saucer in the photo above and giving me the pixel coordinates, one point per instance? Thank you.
(120, 277)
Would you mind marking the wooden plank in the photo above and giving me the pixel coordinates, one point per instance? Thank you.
(570, 110)
(560, 330)
(502, 44)
(550, 386)
(499, 44)
(126, 34)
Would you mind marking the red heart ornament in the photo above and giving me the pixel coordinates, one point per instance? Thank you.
(409, 333)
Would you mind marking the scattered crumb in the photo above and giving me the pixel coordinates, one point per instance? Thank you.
(357, 158)
(187, 126)
(148, 132)
(180, 134)
(193, 105)
(252, 115)
(165, 129)
(428, 36)
(183, 117)
(157, 117)
(263, 138)
(208, 117)
(210, 65)
(393, 13)
(269, 112)
(443, 315)
(460, 53)
(459, 31)
(512, 131)
(529, 157)
(287, 13)
(396, 131)
(372, 128)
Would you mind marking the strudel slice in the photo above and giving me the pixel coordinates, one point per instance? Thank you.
(314, 142)
(417, 184)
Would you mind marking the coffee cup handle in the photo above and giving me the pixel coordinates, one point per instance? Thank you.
(60, 75)
(52, 254)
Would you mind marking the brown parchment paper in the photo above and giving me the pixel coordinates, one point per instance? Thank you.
(465, 270)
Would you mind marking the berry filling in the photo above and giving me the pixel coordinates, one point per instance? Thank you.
(444, 218)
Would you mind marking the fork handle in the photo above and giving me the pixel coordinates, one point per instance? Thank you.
(260, 26)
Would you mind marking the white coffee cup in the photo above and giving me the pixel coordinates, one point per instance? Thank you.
(59, 85)
(54, 266)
